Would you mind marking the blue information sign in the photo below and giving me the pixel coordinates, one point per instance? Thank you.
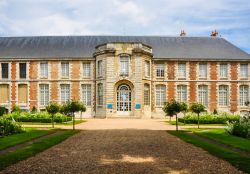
(109, 106)
(137, 106)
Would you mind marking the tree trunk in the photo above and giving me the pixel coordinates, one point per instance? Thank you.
(176, 122)
(198, 120)
(170, 118)
(52, 121)
(73, 121)
(81, 115)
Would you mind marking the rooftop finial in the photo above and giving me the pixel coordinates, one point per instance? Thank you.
(214, 33)
(183, 33)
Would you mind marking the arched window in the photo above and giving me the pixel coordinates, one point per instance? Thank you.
(203, 94)
(182, 93)
(160, 95)
(146, 94)
(123, 98)
(223, 95)
(244, 94)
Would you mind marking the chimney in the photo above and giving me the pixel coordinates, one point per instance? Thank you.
(183, 33)
(214, 33)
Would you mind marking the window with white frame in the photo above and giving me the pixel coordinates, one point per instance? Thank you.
(99, 68)
(43, 70)
(86, 70)
(86, 94)
(100, 94)
(182, 70)
(182, 93)
(160, 95)
(202, 70)
(244, 94)
(203, 94)
(223, 95)
(65, 69)
(22, 70)
(160, 70)
(223, 70)
(147, 68)
(44, 94)
(243, 70)
(146, 94)
(5, 70)
(65, 93)
(124, 65)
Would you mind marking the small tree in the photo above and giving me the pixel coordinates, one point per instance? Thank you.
(2, 110)
(75, 106)
(52, 109)
(184, 109)
(197, 108)
(82, 109)
(172, 108)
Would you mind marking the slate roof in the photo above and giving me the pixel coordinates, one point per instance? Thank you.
(84, 46)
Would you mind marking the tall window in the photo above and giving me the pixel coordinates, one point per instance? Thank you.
(86, 94)
(44, 94)
(146, 95)
(99, 66)
(160, 70)
(244, 94)
(65, 69)
(22, 70)
(202, 70)
(243, 70)
(65, 93)
(223, 95)
(4, 93)
(124, 65)
(203, 94)
(100, 94)
(223, 70)
(182, 93)
(86, 70)
(147, 68)
(44, 70)
(22, 94)
(5, 70)
(160, 95)
(182, 70)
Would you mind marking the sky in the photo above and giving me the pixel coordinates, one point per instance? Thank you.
(231, 18)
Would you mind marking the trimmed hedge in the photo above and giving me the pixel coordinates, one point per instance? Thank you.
(40, 117)
(209, 118)
(8, 127)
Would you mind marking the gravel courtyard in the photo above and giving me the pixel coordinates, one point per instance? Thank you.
(122, 151)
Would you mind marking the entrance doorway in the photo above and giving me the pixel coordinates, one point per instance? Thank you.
(123, 100)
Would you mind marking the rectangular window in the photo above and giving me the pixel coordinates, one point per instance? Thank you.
(65, 69)
(223, 95)
(244, 95)
(223, 70)
(100, 94)
(181, 70)
(22, 94)
(65, 93)
(86, 94)
(4, 93)
(44, 94)
(182, 93)
(160, 95)
(202, 70)
(86, 70)
(203, 94)
(160, 70)
(146, 95)
(22, 70)
(44, 70)
(99, 66)
(244, 70)
(5, 70)
(147, 68)
(124, 65)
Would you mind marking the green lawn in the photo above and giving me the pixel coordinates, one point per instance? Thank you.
(69, 123)
(15, 139)
(182, 124)
(234, 158)
(31, 150)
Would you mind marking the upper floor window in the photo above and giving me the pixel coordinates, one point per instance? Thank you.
(22, 70)
(44, 70)
(147, 68)
(99, 68)
(202, 70)
(146, 95)
(160, 95)
(86, 70)
(203, 94)
(124, 65)
(160, 70)
(182, 93)
(44, 94)
(223, 95)
(86, 94)
(181, 70)
(65, 93)
(244, 95)
(100, 94)
(243, 70)
(5, 70)
(223, 70)
(65, 69)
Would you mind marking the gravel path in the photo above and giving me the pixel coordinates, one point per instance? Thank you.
(122, 151)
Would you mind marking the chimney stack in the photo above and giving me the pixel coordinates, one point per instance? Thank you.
(183, 33)
(214, 33)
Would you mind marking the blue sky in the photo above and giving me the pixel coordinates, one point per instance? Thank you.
(127, 17)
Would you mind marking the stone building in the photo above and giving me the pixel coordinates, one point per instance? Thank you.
(123, 76)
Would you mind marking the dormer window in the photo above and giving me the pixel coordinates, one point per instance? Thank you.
(124, 65)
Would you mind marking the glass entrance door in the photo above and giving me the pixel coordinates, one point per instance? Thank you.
(123, 100)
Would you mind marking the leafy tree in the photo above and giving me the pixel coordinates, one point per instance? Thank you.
(184, 109)
(52, 109)
(34, 109)
(82, 109)
(2, 110)
(16, 108)
(197, 108)
(172, 108)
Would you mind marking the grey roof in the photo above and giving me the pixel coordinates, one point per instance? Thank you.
(84, 46)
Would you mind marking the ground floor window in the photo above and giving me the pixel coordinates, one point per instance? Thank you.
(65, 93)
(22, 94)
(160, 95)
(244, 95)
(86, 94)
(100, 94)
(182, 93)
(223, 95)
(203, 94)
(44, 94)
(146, 94)
(4, 93)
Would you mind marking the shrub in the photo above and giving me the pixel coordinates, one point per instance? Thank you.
(34, 109)
(2, 110)
(239, 128)
(16, 108)
(8, 127)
